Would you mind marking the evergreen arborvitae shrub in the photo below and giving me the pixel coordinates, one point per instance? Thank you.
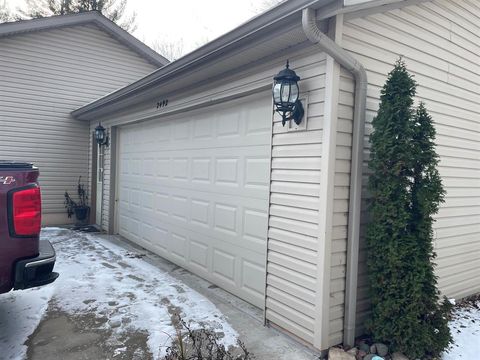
(406, 191)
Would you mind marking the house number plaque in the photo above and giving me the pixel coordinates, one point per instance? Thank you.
(162, 103)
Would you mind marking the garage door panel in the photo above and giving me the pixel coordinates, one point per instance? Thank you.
(148, 167)
(238, 270)
(179, 208)
(162, 168)
(179, 245)
(199, 254)
(161, 240)
(227, 259)
(181, 130)
(252, 277)
(202, 170)
(255, 222)
(124, 226)
(257, 170)
(189, 142)
(200, 213)
(241, 225)
(203, 127)
(224, 265)
(147, 199)
(249, 185)
(221, 165)
(194, 189)
(160, 190)
(222, 141)
(228, 125)
(180, 169)
(148, 232)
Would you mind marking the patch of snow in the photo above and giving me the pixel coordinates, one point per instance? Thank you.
(452, 301)
(20, 314)
(465, 329)
(118, 351)
(100, 278)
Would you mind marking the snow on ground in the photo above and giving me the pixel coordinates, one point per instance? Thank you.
(101, 278)
(20, 314)
(465, 329)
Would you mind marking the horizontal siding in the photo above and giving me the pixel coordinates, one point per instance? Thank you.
(294, 217)
(43, 77)
(440, 43)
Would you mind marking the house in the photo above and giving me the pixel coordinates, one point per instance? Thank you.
(200, 171)
(48, 68)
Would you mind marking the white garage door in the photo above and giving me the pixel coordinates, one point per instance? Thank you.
(194, 189)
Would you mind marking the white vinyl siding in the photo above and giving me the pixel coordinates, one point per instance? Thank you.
(440, 43)
(44, 76)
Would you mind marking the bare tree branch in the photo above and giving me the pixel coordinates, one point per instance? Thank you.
(112, 9)
(5, 13)
(175, 49)
(172, 50)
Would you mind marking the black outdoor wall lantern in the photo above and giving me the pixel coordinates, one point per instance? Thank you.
(285, 95)
(101, 135)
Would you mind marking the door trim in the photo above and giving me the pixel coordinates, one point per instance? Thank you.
(100, 184)
(93, 180)
(113, 208)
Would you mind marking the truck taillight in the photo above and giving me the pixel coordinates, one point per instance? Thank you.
(27, 212)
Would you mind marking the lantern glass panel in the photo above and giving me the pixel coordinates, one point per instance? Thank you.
(276, 92)
(286, 92)
(294, 93)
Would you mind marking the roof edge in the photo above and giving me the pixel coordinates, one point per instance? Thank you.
(95, 17)
(217, 46)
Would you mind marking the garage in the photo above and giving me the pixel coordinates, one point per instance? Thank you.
(194, 188)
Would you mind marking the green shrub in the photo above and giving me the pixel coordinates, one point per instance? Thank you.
(406, 191)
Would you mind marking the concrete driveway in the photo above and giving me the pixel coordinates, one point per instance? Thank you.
(116, 301)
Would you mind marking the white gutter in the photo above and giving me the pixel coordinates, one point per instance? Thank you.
(346, 60)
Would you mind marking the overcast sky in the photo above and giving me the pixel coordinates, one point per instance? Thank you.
(193, 21)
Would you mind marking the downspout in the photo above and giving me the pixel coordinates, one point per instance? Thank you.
(316, 36)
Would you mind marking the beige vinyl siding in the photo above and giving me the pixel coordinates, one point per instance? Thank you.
(440, 43)
(293, 236)
(44, 76)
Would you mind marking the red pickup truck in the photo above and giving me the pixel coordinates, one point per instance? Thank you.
(25, 261)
